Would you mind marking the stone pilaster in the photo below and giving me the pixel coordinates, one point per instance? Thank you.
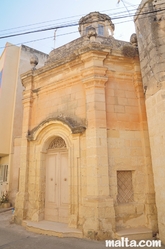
(99, 209)
(75, 186)
(22, 195)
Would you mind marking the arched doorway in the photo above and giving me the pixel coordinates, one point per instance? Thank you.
(57, 187)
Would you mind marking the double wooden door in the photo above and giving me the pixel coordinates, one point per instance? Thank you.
(57, 188)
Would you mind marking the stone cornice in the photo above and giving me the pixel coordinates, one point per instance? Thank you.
(72, 51)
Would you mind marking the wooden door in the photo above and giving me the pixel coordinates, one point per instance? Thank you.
(57, 189)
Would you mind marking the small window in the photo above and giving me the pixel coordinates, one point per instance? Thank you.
(124, 186)
(3, 173)
(100, 30)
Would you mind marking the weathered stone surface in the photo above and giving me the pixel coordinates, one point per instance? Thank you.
(150, 33)
(75, 127)
(71, 50)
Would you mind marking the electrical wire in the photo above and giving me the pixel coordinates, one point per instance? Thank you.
(112, 14)
(144, 15)
(40, 39)
(62, 19)
(71, 25)
(125, 7)
(69, 33)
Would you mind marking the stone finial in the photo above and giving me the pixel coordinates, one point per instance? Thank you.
(34, 61)
(133, 40)
(92, 34)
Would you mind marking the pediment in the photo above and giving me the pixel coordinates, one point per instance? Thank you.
(74, 126)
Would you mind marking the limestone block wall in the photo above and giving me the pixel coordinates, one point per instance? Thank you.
(128, 145)
(150, 34)
(155, 111)
(65, 100)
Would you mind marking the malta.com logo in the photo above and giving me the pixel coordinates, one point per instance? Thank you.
(125, 242)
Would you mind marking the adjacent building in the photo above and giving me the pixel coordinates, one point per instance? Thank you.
(13, 62)
(150, 33)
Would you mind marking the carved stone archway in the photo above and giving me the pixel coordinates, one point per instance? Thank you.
(52, 135)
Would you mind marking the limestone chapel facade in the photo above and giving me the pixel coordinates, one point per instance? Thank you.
(85, 153)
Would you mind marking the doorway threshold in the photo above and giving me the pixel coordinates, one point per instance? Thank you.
(52, 229)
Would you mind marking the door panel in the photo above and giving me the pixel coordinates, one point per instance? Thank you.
(64, 180)
(57, 190)
(50, 178)
(51, 197)
(64, 188)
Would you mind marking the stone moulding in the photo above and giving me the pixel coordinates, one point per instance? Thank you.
(75, 127)
(80, 46)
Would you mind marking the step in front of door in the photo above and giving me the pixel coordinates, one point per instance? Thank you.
(53, 229)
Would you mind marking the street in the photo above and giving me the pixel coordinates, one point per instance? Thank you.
(13, 236)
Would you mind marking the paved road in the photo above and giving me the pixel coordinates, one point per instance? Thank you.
(13, 236)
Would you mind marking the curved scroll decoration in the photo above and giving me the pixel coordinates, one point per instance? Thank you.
(75, 127)
(57, 143)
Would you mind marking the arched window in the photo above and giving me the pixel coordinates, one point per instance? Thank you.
(57, 143)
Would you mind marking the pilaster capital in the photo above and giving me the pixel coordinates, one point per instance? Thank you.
(95, 81)
(95, 56)
(27, 97)
(27, 79)
(94, 77)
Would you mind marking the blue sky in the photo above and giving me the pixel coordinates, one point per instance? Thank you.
(20, 16)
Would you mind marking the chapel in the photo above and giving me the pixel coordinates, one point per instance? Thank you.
(85, 156)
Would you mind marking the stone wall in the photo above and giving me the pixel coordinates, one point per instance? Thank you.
(128, 145)
(150, 29)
